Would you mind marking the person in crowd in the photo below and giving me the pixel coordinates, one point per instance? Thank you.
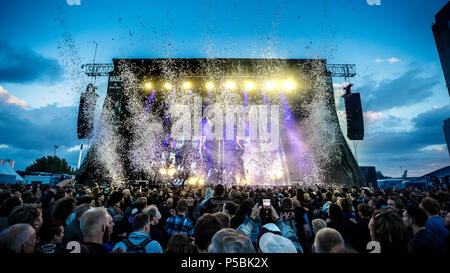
(327, 239)
(230, 208)
(224, 219)
(362, 232)
(229, 240)
(113, 206)
(205, 228)
(73, 230)
(387, 228)
(18, 238)
(435, 223)
(27, 214)
(424, 241)
(179, 244)
(215, 204)
(50, 235)
(155, 232)
(96, 226)
(270, 240)
(345, 227)
(179, 222)
(318, 224)
(63, 208)
(139, 241)
(8, 205)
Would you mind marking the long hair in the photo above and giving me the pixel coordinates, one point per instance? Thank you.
(179, 243)
(390, 231)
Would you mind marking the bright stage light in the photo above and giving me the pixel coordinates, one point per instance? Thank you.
(162, 171)
(148, 85)
(271, 85)
(249, 85)
(230, 85)
(192, 180)
(171, 171)
(201, 181)
(187, 85)
(288, 85)
(167, 86)
(209, 85)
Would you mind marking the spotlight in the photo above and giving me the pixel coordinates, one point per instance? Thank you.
(209, 85)
(249, 85)
(192, 180)
(271, 85)
(171, 171)
(167, 86)
(162, 171)
(201, 181)
(230, 85)
(148, 85)
(288, 85)
(187, 85)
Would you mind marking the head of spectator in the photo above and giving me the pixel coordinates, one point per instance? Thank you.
(447, 220)
(229, 240)
(140, 204)
(18, 238)
(81, 209)
(96, 226)
(430, 206)
(209, 193)
(51, 233)
(286, 203)
(153, 214)
(414, 218)
(335, 212)
(318, 224)
(26, 214)
(364, 211)
(345, 204)
(64, 207)
(9, 204)
(327, 239)
(219, 190)
(179, 243)
(224, 219)
(141, 223)
(230, 208)
(388, 229)
(392, 205)
(182, 206)
(115, 199)
(205, 228)
(271, 241)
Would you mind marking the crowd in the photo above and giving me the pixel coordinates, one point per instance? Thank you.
(219, 219)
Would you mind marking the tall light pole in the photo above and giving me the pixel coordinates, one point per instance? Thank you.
(56, 147)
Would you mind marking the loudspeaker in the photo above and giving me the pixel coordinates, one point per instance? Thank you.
(446, 128)
(355, 123)
(86, 112)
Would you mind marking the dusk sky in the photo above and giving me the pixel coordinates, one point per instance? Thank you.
(43, 44)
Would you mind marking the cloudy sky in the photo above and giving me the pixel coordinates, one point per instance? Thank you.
(404, 98)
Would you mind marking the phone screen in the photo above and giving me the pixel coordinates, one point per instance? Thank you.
(266, 202)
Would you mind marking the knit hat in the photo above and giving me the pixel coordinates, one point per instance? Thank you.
(274, 243)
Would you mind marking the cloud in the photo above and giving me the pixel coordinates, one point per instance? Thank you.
(389, 60)
(7, 98)
(372, 117)
(409, 88)
(76, 148)
(73, 2)
(4, 146)
(22, 65)
(416, 148)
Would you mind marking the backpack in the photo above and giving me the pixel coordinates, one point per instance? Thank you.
(131, 248)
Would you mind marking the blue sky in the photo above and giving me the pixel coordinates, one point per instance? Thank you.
(44, 42)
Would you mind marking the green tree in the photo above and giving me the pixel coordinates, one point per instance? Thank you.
(51, 164)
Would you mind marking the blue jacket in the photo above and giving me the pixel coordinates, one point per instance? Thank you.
(138, 237)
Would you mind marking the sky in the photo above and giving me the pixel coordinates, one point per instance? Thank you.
(43, 44)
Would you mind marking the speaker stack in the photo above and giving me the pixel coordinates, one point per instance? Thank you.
(353, 110)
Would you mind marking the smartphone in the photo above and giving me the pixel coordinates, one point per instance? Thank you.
(266, 203)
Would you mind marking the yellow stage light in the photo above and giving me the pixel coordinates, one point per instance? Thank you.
(167, 86)
(187, 85)
(201, 181)
(148, 85)
(288, 85)
(230, 85)
(271, 85)
(171, 171)
(249, 85)
(192, 180)
(162, 171)
(209, 85)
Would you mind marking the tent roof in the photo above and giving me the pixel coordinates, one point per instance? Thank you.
(6, 168)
